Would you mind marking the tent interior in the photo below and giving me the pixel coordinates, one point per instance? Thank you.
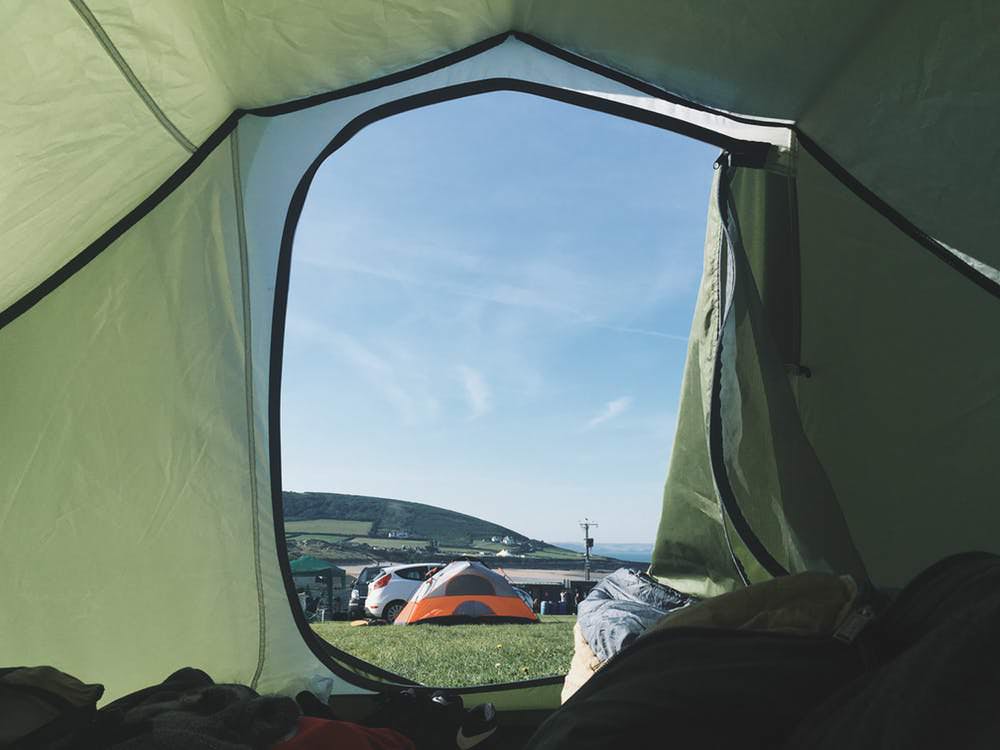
(841, 398)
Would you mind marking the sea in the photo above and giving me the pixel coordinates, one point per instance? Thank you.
(631, 552)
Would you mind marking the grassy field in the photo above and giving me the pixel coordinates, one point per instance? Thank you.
(556, 553)
(385, 543)
(305, 536)
(460, 655)
(386, 514)
(337, 526)
(470, 551)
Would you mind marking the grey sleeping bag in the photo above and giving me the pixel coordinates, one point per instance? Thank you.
(622, 607)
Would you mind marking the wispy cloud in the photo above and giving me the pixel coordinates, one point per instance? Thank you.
(641, 332)
(379, 372)
(611, 410)
(523, 297)
(477, 391)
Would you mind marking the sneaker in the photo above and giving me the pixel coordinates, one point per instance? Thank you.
(478, 725)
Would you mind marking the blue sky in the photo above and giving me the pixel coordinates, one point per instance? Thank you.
(489, 308)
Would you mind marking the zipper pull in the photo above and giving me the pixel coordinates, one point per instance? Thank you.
(854, 623)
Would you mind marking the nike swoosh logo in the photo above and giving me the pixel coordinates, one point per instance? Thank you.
(465, 742)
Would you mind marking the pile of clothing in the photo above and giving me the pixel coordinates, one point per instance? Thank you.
(622, 607)
(805, 662)
(619, 609)
(41, 707)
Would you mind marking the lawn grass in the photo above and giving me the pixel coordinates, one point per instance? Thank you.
(330, 526)
(460, 655)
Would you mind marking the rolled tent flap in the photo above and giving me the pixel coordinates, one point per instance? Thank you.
(854, 421)
(692, 552)
(746, 496)
(777, 482)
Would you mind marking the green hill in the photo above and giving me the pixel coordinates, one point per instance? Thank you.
(421, 521)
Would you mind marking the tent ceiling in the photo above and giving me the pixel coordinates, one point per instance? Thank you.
(894, 92)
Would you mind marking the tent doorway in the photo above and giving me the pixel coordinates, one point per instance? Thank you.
(487, 313)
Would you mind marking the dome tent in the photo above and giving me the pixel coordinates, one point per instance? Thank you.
(465, 592)
(839, 409)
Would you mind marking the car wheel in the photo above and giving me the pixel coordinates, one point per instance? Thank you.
(392, 610)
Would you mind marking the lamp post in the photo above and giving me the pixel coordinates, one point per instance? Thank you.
(588, 542)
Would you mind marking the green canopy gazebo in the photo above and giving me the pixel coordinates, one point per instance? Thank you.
(313, 566)
(319, 570)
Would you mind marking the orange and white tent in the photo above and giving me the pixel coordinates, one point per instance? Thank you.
(465, 591)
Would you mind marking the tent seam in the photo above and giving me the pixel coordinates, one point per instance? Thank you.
(234, 149)
(116, 56)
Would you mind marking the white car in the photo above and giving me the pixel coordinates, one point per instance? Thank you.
(388, 594)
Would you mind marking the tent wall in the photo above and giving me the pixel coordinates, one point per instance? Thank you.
(78, 148)
(912, 112)
(893, 90)
(132, 532)
(903, 407)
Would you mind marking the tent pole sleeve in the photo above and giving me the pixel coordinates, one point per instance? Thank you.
(109, 47)
(234, 148)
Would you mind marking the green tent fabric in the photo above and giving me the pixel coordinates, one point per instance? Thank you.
(841, 399)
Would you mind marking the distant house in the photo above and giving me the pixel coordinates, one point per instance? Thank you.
(398, 534)
(495, 539)
(507, 540)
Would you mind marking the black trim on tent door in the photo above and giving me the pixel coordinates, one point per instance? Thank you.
(91, 251)
(730, 505)
(328, 654)
(185, 170)
(640, 85)
(95, 248)
(438, 63)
